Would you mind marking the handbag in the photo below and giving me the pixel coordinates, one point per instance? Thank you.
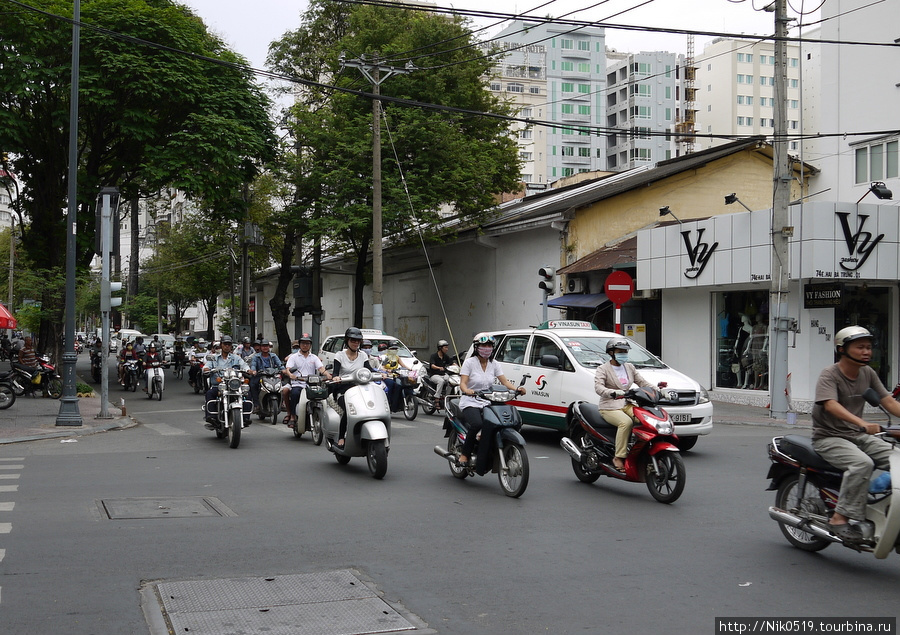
(746, 360)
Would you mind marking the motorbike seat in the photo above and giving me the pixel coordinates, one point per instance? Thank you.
(592, 415)
(453, 411)
(802, 450)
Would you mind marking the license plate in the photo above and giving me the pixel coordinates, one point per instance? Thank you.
(681, 417)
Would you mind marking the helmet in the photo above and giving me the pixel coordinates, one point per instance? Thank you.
(382, 346)
(226, 339)
(306, 337)
(614, 344)
(263, 343)
(353, 333)
(246, 340)
(442, 343)
(367, 343)
(139, 339)
(848, 334)
(152, 346)
(484, 338)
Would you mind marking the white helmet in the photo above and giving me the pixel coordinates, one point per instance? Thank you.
(849, 334)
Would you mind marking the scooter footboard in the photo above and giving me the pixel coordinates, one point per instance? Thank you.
(373, 430)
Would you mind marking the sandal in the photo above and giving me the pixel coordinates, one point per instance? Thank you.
(619, 468)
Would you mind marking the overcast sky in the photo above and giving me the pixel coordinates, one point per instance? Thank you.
(249, 27)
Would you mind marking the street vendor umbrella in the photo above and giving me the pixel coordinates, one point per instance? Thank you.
(7, 321)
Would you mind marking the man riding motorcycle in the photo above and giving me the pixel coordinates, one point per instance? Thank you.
(214, 367)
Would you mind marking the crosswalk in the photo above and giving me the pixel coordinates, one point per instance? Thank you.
(10, 470)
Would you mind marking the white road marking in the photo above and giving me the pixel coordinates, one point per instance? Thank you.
(9, 477)
(12, 467)
(5, 528)
(9, 488)
(164, 428)
(6, 507)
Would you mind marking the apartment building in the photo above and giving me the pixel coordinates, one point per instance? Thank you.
(574, 63)
(736, 91)
(643, 105)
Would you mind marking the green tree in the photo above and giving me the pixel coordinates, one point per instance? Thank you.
(149, 116)
(451, 159)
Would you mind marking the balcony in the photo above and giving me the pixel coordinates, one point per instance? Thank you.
(573, 117)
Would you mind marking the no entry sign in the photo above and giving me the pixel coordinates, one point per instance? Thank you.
(619, 287)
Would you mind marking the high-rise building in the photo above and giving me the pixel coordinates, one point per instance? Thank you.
(573, 99)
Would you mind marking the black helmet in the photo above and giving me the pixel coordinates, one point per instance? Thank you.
(367, 343)
(353, 333)
(306, 337)
(616, 344)
(442, 343)
(226, 339)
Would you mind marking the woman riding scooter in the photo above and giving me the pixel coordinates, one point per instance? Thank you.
(351, 358)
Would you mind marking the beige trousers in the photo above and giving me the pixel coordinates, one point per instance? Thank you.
(624, 421)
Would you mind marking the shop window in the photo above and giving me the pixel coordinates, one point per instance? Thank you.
(869, 307)
(742, 340)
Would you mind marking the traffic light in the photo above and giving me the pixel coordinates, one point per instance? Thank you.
(107, 301)
(548, 279)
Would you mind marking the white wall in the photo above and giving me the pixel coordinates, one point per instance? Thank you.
(687, 328)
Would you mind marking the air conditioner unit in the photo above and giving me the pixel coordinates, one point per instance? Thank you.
(646, 294)
(575, 285)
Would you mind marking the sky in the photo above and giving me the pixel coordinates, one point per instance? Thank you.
(249, 27)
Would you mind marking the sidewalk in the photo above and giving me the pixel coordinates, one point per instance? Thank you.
(30, 419)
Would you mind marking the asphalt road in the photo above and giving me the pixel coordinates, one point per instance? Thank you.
(565, 558)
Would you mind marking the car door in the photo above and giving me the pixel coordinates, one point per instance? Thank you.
(543, 400)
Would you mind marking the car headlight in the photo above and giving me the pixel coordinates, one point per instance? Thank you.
(704, 396)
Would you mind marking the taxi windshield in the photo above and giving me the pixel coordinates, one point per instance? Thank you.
(402, 351)
(590, 351)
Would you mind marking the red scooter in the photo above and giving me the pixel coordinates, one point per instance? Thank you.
(653, 457)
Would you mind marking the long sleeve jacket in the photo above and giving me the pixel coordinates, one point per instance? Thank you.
(606, 381)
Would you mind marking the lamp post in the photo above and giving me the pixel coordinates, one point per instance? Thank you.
(69, 414)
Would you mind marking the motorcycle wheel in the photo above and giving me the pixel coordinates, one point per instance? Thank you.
(787, 498)
(410, 407)
(134, 383)
(376, 455)
(197, 385)
(454, 447)
(54, 388)
(316, 425)
(7, 396)
(583, 474)
(342, 459)
(666, 485)
(276, 409)
(515, 479)
(157, 386)
(237, 420)
(179, 371)
(428, 402)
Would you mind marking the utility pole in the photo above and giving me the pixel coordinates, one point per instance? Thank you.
(376, 73)
(780, 322)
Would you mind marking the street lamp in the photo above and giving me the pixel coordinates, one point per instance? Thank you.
(663, 211)
(879, 189)
(732, 199)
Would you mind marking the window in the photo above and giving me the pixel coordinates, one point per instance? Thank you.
(534, 90)
(567, 109)
(745, 121)
(794, 103)
(584, 152)
(525, 156)
(640, 112)
(668, 114)
(584, 110)
(515, 88)
(525, 134)
(567, 66)
(740, 57)
(567, 151)
(495, 86)
(794, 62)
(741, 100)
(584, 67)
(584, 45)
(793, 124)
(640, 68)
(512, 349)
(525, 112)
(795, 83)
(642, 90)
(668, 92)
(639, 154)
(568, 171)
(668, 70)
(568, 87)
(566, 44)
(640, 132)
(527, 178)
(584, 89)
(877, 161)
(545, 346)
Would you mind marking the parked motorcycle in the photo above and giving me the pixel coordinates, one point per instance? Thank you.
(7, 394)
(156, 380)
(368, 423)
(426, 388)
(44, 378)
(131, 374)
(269, 394)
(653, 456)
(807, 489)
(232, 406)
(509, 459)
(310, 411)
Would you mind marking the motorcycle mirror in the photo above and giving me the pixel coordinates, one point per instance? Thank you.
(872, 397)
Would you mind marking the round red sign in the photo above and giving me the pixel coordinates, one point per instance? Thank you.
(619, 287)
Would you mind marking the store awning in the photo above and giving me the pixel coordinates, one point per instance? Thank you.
(7, 321)
(579, 300)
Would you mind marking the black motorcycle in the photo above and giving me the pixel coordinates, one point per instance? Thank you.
(44, 378)
(96, 365)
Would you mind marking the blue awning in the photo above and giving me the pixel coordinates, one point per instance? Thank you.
(579, 300)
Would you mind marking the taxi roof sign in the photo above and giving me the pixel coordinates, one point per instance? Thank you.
(568, 324)
(371, 332)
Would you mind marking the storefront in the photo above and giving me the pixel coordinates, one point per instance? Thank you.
(714, 278)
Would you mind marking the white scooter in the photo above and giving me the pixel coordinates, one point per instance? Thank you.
(310, 410)
(368, 423)
(156, 380)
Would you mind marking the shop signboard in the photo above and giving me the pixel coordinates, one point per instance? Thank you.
(823, 295)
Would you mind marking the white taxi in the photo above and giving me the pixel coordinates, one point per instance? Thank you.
(561, 357)
(334, 343)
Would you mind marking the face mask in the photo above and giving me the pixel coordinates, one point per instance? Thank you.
(295, 350)
(485, 351)
(621, 357)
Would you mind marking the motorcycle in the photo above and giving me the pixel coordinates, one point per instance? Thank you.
(653, 456)
(96, 366)
(269, 394)
(7, 394)
(368, 423)
(201, 382)
(131, 374)
(425, 390)
(311, 409)
(406, 380)
(79, 347)
(807, 489)
(232, 407)
(510, 461)
(156, 380)
(44, 378)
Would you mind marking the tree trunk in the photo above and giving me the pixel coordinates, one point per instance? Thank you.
(281, 308)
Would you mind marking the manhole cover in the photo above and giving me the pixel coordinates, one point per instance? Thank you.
(177, 507)
(329, 603)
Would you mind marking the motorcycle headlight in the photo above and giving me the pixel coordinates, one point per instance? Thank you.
(665, 427)
(364, 375)
(234, 383)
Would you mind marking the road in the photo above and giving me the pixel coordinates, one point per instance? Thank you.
(565, 558)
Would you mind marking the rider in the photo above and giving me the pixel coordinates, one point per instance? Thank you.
(128, 353)
(437, 369)
(301, 364)
(153, 354)
(139, 347)
(347, 361)
(179, 355)
(245, 350)
(611, 380)
(198, 354)
(263, 361)
(214, 367)
(840, 434)
(479, 372)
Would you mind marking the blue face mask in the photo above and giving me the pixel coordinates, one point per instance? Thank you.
(295, 350)
(621, 357)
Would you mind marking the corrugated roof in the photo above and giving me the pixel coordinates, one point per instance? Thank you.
(611, 257)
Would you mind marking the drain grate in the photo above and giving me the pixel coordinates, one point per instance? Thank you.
(177, 507)
(329, 603)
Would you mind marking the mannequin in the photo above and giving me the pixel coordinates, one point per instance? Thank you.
(758, 345)
(741, 342)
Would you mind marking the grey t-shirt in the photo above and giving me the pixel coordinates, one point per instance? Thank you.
(833, 384)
